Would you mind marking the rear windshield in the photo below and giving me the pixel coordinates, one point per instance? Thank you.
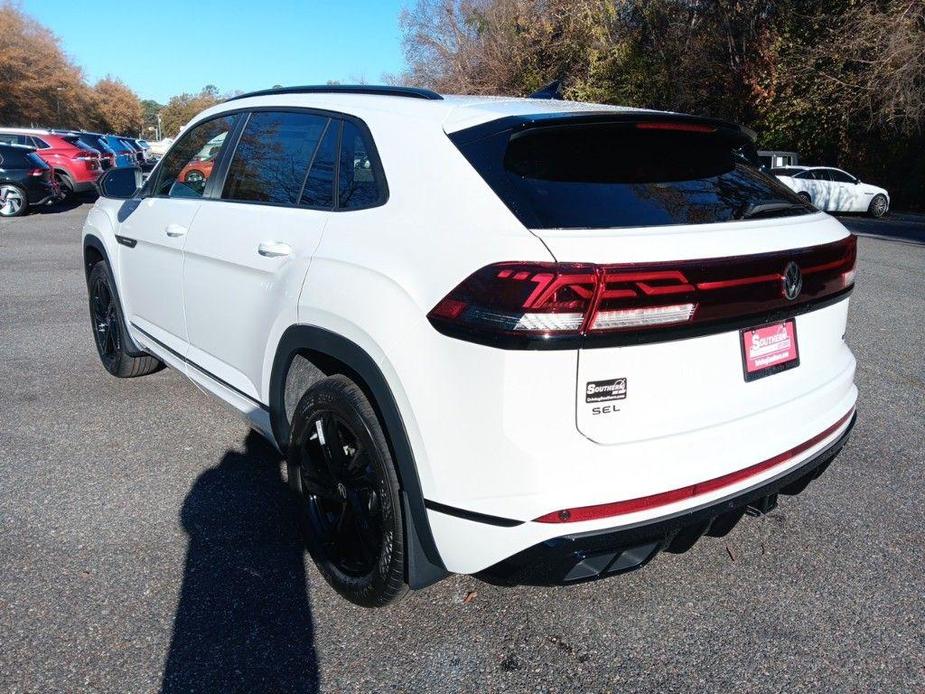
(20, 158)
(600, 176)
(76, 141)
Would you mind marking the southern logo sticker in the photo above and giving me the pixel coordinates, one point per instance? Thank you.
(602, 391)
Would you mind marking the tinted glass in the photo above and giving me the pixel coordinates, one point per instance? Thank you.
(13, 139)
(96, 143)
(36, 161)
(39, 143)
(786, 171)
(819, 175)
(16, 158)
(612, 175)
(358, 181)
(319, 185)
(186, 168)
(272, 157)
(74, 140)
(840, 176)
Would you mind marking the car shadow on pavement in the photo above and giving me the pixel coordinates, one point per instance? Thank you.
(243, 621)
(70, 203)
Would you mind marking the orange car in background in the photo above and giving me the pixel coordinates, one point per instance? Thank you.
(199, 168)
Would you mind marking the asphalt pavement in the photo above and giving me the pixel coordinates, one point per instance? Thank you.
(147, 540)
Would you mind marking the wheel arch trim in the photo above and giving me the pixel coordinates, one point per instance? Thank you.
(424, 565)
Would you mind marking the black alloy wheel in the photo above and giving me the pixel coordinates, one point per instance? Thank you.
(340, 465)
(105, 321)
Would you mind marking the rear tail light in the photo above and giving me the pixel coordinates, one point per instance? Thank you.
(536, 305)
(37, 172)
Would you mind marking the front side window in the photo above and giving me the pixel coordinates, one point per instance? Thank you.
(273, 156)
(358, 180)
(189, 164)
(841, 176)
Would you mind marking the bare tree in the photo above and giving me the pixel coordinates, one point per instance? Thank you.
(874, 62)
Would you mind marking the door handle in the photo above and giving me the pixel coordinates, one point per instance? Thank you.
(175, 230)
(274, 249)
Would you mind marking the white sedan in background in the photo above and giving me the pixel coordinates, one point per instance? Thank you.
(834, 190)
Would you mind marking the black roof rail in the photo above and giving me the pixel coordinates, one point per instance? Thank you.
(376, 89)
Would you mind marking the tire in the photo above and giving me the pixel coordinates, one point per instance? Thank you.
(350, 511)
(878, 206)
(66, 187)
(109, 331)
(13, 201)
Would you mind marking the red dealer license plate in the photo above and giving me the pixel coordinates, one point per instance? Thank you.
(769, 349)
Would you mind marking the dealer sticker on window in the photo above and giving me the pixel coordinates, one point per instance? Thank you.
(769, 349)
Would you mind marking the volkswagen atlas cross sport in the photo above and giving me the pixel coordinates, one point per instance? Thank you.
(539, 341)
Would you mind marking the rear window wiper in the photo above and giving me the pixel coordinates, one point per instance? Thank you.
(749, 211)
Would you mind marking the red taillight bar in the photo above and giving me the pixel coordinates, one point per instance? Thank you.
(542, 305)
(676, 126)
(645, 503)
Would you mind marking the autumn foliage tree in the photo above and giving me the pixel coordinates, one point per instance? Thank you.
(42, 87)
(181, 109)
(117, 107)
(840, 81)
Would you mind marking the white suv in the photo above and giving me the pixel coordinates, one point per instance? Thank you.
(537, 340)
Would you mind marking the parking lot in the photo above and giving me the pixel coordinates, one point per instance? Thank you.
(147, 540)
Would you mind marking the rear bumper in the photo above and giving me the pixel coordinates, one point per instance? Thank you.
(588, 556)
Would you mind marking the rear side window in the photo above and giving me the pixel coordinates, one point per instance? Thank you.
(785, 172)
(10, 158)
(358, 178)
(13, 139)
(610, 175)
(273, 156)
(319, 184)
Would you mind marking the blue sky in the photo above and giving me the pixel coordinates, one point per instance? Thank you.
(165, 47)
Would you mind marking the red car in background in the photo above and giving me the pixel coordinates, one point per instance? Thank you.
(197, 172)
(75, 165)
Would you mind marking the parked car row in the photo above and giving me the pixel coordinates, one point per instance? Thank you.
(72, 160)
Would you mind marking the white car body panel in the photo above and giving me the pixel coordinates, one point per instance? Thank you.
(493, 431)
(834, 196)
(234, 296)
(151, 273)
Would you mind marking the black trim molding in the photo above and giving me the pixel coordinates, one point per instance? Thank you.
(196, 366)
(472, 515)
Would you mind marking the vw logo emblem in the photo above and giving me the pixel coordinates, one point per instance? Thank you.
(792, 281)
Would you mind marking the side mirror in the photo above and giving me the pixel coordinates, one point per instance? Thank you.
(120, 183)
